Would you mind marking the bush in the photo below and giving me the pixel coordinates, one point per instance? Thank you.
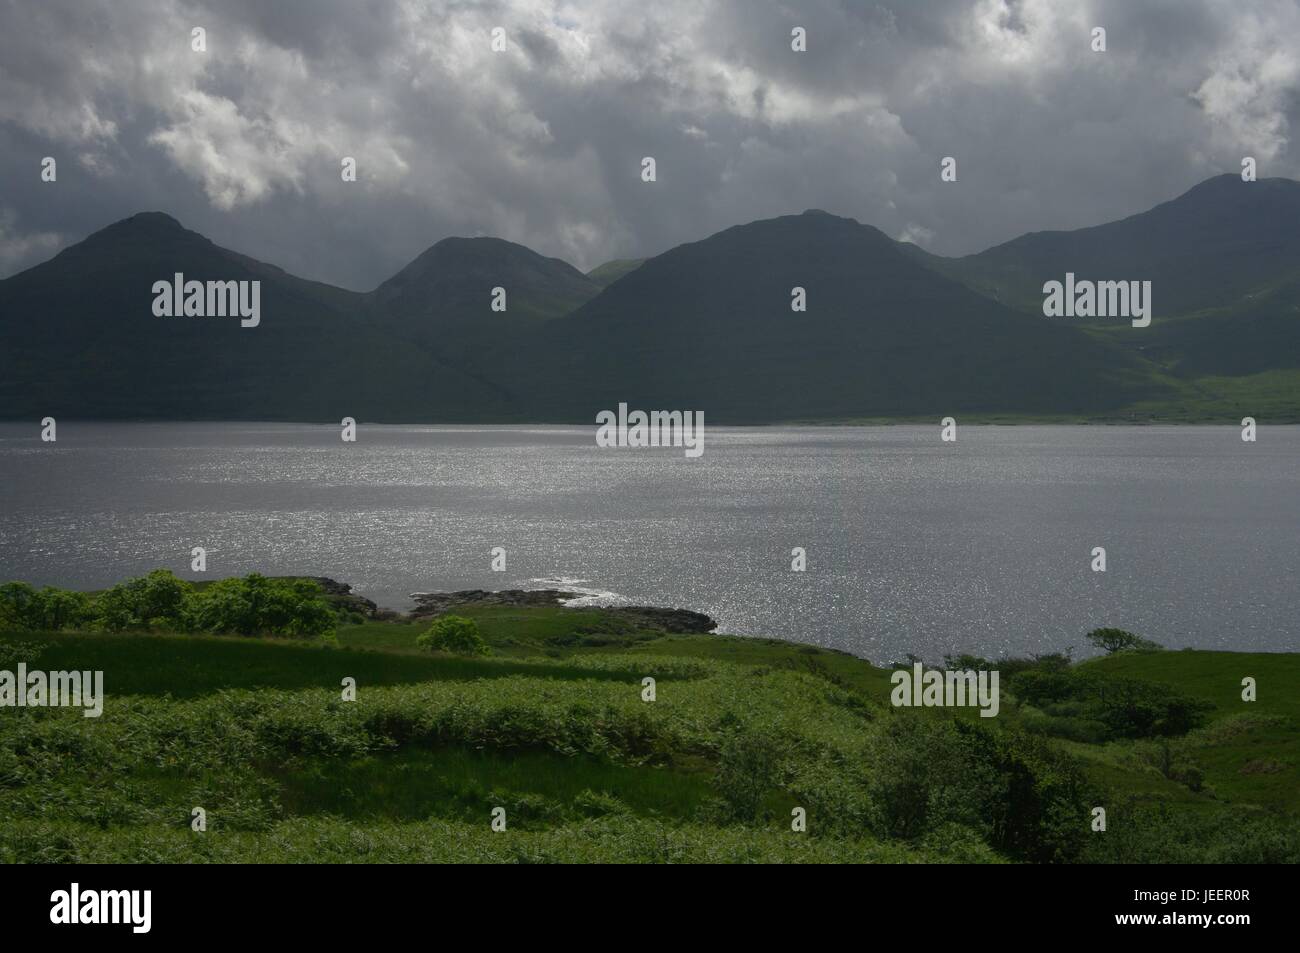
(256, 605)
(25, 607)
(454, 634)
(922, 777)
(748, 770)
(1118, 640)
(1016, 793)
(1135, 709)
(1094, 706)
(1038, 688)
(1160, 834)
(156, 601)
(1039, 813)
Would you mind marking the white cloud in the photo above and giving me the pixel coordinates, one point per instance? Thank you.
(541, 144)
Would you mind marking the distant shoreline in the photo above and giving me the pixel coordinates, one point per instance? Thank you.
(972, 420)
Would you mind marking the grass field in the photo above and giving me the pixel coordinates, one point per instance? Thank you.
(553, 729)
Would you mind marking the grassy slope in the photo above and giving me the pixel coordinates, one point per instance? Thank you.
(1249, 751)
(552, 727)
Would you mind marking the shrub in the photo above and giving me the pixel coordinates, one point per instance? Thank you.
(25, 607)
(256, 605)
(748, 765)
(16, 605)
(1039, 812)
(158, 600)
(922, 777)
(1117, 640)
(1160, 834)
(62, 608)
(1135, 709)
(455, 634)
(1095, 706)
(1038, 688)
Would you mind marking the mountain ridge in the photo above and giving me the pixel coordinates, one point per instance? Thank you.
(889, 331)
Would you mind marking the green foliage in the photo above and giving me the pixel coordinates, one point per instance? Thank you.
(13, 651)
(256, 605)
(1135, 709)
(1161, 834)
(1021, 797)
(748, 771)
(922, 777)
(967, 663)
(1038, 687)
(1093, 706)
(15, 605)
(1037, 806)
(252, 605)
(158, 600)
(49, 609)
(454, 634)
(742, 731)
(1118, 640)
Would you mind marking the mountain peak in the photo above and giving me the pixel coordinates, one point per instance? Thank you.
(451, 280)
(153, 221)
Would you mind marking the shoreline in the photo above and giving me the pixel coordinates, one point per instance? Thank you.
(971, 420)
(430, 605)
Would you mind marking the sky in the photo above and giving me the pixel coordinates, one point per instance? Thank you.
(541, 143)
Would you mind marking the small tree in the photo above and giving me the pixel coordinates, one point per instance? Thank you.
(258, 605)
(1116, 640)
(157, 601)
(25, 607)
(455, 634)
(17, 605)
(62, 608)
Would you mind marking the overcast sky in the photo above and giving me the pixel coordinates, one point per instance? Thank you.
(542, 143)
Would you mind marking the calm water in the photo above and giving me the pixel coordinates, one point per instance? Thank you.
(913, 545)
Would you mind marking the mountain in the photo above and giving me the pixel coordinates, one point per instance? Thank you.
(1207, 248)
(1223, 260)
(608, 273)
(450, 286)
(709, 326)
(78, 337)
(888, 330)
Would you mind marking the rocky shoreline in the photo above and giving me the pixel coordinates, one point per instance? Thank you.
(429, 605)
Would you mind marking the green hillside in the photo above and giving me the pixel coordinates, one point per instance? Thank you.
(1207, 248)
(552, 727)
(78, 337)
(1223, 260)
(608, 273)
(709, 325)
(890, 332)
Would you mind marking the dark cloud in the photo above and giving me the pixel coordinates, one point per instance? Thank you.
(542, 144)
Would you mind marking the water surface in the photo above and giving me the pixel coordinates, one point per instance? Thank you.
(913, 545)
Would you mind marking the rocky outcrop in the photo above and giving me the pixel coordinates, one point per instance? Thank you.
(666, 620)
(648, 618)
(342, 596)
(428, 604)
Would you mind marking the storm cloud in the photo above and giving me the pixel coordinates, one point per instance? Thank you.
(542, 143)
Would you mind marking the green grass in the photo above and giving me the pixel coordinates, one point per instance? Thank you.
(187, 666)
(552, 727)
(513, 631)
(455, 783)
(1250, 751)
